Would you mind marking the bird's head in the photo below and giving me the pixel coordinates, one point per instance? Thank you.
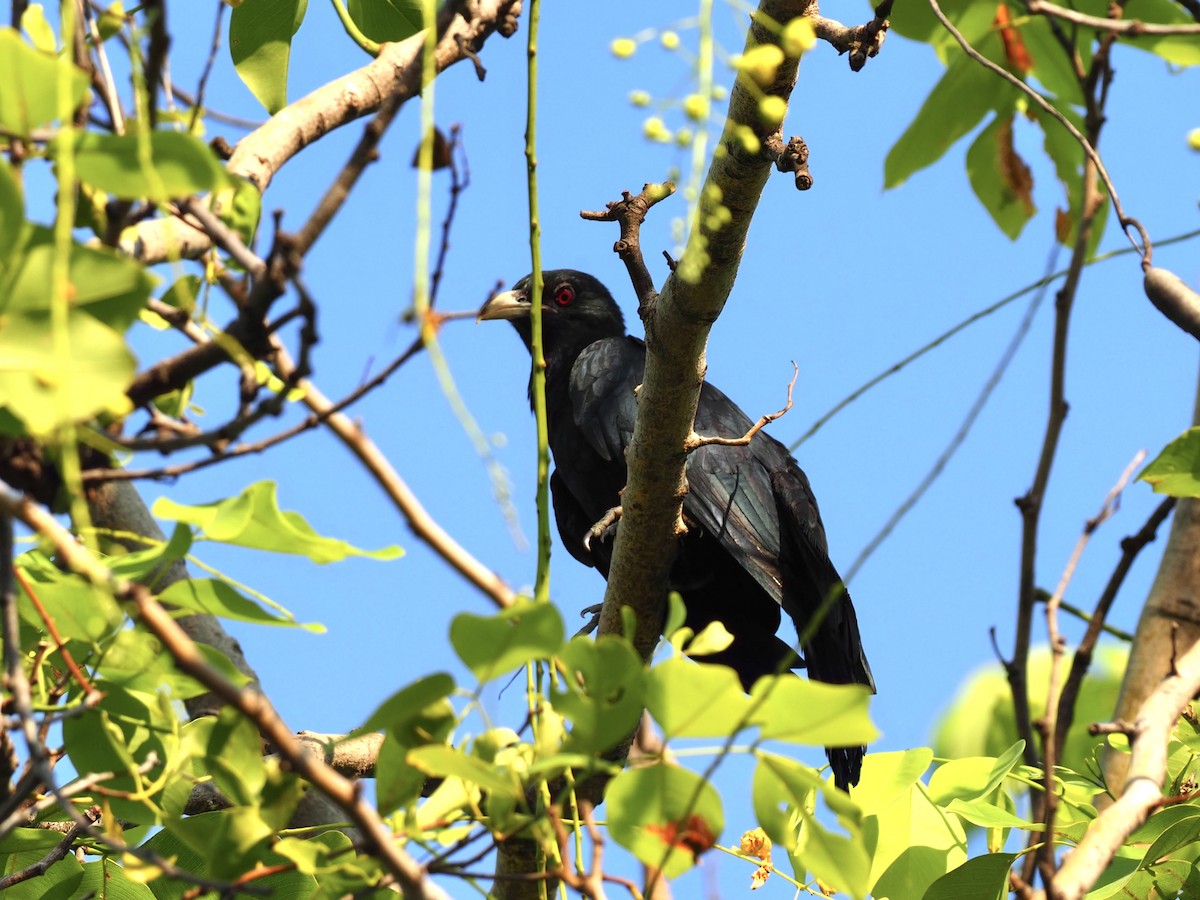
(576, 311)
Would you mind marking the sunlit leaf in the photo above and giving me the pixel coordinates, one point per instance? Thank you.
(834, 858)
(260, 42)
(30, 78)
(108, 287)
(602, 693)
(253, 519)
(12, 212)
(915, 844)
(207, 595)
(78, 609)
(988, 815)
(783, 789)
(232, 754)
(664, 815)
(1176, 470)
(178, 165)
(692, 700)
(811, 712)
(442, 761)
(409, 702)
(887, 776)
(44, 388)
(490, 646)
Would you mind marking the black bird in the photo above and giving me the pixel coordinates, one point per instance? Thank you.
(755, 543)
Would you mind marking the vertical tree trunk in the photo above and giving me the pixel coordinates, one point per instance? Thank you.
(1169, 625)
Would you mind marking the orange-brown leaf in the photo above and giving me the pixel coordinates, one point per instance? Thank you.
(1015, 50)
(1013, 171)
(695, 836)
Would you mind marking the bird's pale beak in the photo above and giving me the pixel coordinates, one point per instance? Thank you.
(508, 305)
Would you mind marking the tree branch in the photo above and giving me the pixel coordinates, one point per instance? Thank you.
(677, 326)
(392, 77)
(1124, 27)
(1149, 735)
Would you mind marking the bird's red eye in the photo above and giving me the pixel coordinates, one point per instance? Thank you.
(564, 294)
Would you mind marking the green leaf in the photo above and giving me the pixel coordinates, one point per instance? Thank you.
(260, 42)
(982, 878)
(691, 700)
(1179, 835)
(79, 610)
(409, 703)
(664, 815)
(240, 207)
(231, 751)
(253, 519)
(45, 390)
(800, 711)
(913, 843)
(207, 595)
(12, 213)
(1000, 178)
(602, 692)
(105, 879)
(988, 815)
(835, 858)
(60, 882)
(38, 29)
(386, 20)
(1176, 470)
(158, 166)
(147, 565)
(490, 646)
(917, 22)
(1179, 50)
(783, 789)
(973, 778)
(135, 660)
(118, 736)
(31, 79)
(444, 761)
(953, 108)
(888, 776)
(1052, 67)
(108, 287)
(231, 840)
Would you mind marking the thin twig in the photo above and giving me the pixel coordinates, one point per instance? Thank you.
(1130, 548)
(1048, 724)
(696, 441)
(1123, 27)
(422, 524)
(59, 851)
(197, 103)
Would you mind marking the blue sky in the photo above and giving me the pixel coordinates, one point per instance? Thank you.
(845, 279)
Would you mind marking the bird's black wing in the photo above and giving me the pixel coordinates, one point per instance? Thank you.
(591, 423)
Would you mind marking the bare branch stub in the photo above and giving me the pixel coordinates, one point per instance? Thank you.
(630, 211)
(696, 441)
(792, 157)
(861, 41)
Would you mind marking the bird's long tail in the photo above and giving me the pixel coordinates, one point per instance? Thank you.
(812, 588)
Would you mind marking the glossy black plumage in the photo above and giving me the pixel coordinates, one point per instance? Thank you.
(755, 543)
